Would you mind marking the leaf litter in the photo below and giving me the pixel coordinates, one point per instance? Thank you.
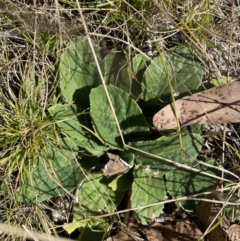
(217, 105)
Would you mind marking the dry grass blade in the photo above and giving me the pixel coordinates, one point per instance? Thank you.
(20, 232)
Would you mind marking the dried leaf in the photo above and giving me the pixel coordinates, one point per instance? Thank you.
(214, 106)
(181, 231)
(115, 166)
(207, 211)
(234, 232)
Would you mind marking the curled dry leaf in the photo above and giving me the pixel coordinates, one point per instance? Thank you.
(208, 211)
(234, 232)
(115, 166)
(217, 105)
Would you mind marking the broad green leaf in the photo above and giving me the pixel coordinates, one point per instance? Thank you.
(148, 188)
(54, 171)
(88, 162)
(78, 73)
(92, 145)
(139, 65)
(96, 230)
(121, 182)
(95, 198)
(153, 168)
(70, 227)
(117, 70)
(182, 183)
(127, 156)
(193, 129)
(179, 66)
(168, 147)
(66, 117)
(69, 121)
(128, 113)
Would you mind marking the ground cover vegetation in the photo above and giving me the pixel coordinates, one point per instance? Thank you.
(84, 156)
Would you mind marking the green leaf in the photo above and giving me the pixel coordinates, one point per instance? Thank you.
(78, 72)
(70, 227)
(182, 183)
(148, 185)
(121, 183)
(139, 65)
(128, 113)
(127, 156)
(148, 188)
(96, 198)
(88, 162)
(180, 66)
(219, 81)
(66, 117)
(54, 171)
(117, 70)
(168, 147)
(193, 128)
(69, 121)
(95, 229)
